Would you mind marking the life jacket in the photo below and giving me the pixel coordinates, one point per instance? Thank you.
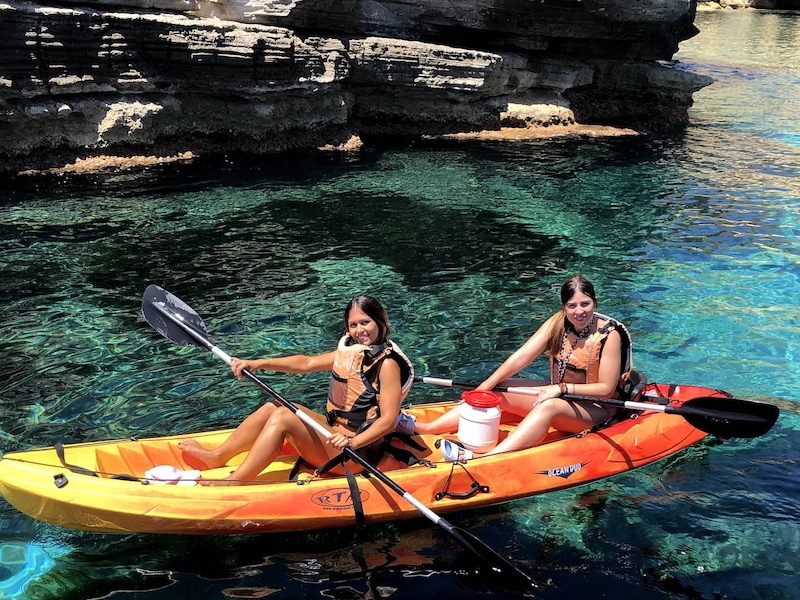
(352, 397)
(584, 362)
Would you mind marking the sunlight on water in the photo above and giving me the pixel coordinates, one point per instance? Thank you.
(690, 240)
(755, 61)
(20, 563)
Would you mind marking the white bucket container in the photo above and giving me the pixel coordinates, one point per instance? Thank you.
(479, 420)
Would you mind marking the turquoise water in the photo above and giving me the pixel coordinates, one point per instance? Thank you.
(690, 239)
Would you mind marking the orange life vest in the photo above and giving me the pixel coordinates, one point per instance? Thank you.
(352, 397)
(584, 361)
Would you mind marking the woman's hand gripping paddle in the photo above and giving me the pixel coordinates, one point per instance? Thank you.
(176, 321)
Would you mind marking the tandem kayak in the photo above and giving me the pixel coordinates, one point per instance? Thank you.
(104, 486)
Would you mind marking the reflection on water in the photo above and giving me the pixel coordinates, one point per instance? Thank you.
(691, 240)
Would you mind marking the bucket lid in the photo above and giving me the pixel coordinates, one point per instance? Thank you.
(481, 398)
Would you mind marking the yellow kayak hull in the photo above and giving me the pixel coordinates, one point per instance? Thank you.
(38, 484)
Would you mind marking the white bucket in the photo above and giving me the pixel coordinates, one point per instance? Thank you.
(479, 420)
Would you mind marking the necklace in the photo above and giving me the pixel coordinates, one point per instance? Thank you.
(564, 361)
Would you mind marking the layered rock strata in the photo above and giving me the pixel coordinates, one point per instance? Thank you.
(160, 77)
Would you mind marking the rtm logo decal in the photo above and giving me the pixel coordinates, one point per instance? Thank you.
(337, 498)
(564, 472)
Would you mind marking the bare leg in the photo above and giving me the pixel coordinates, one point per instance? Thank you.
(570, 417)
(447, 423)
(239, 441)
(283, 424)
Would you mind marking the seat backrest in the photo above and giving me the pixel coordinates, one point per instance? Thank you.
(626, 347)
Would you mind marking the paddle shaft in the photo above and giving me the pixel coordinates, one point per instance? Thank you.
(677, 410)
(467, 540)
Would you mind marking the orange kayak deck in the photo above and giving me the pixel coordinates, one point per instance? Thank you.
(38, 484)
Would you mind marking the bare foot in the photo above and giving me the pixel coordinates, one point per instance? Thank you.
(209, 458)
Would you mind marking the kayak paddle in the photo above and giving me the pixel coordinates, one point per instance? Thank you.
(724, 417)
(176, 321)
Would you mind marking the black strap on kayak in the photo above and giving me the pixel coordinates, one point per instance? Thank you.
(402, 455)
(298, 464)
(302, 462)
(337, 460)
(406, 439)
(59, 448)
(355, 495)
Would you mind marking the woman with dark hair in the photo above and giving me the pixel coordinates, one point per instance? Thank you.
(588, 354)
(370, 376)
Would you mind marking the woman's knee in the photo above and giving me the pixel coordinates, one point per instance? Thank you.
(263, 413)
(281, 416)
(549, 407)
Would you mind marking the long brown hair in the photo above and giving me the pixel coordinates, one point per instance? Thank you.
(374, 310)
(571, 286)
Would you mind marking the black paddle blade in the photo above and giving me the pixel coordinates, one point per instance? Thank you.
(163, 310)
(729, 417)
(509, 576)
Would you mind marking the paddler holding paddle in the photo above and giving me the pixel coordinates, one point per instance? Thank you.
(589, 355)
(370, 376)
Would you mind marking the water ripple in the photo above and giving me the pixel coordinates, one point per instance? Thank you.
(691, 239)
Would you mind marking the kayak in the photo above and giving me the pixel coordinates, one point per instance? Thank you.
(109, 486)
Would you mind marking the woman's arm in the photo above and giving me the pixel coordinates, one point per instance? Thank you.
(520, 359)
(390, 397)
(298, 364)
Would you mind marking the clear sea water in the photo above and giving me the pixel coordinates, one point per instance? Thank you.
(691, 239)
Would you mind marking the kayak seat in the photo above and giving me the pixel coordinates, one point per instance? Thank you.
(633, 385)
(398, 451)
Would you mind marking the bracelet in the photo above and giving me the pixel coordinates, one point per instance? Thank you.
(563, 388)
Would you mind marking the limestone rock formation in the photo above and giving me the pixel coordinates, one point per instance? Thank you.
(158, 77)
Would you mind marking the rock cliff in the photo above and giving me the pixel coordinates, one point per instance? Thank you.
(159, 77)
